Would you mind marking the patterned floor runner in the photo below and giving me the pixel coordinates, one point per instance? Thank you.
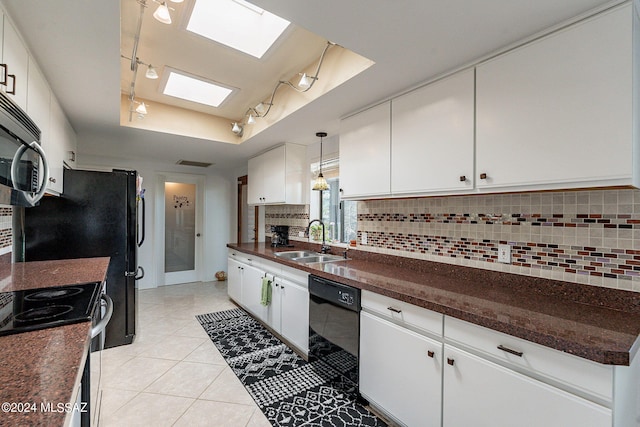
(288, 390)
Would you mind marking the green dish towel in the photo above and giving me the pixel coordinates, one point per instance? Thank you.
(266, 291)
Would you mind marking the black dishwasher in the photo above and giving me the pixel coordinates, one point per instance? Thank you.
(334, 325)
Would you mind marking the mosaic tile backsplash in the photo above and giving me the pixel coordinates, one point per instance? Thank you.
(590, 237)
(6, 238)
(295, 216)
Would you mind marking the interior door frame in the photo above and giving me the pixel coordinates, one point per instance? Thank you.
(191, 275)
(242, 186)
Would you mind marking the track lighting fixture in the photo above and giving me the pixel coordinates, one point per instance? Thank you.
(141, 109)
(305, 83)
(237, 128)
(162, 13)
(151, 72)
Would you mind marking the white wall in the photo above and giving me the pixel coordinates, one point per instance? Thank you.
(219, 215)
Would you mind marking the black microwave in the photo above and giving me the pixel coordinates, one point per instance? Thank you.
(23, 164)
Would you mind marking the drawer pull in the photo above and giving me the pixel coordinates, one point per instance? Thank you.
(430, 353)
(450, 361)
(508, 350)
(483, 176)
(463, 178)
(395, 310)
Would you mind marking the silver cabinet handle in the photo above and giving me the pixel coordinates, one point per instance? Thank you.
(508, 350)
(31, 198)
(395, 310)
(102, 324)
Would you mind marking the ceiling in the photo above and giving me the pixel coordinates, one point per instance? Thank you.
(78, 45)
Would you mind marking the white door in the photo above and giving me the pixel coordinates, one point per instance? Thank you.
(180, 208)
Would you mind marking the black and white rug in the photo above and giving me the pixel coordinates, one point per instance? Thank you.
(288, 390)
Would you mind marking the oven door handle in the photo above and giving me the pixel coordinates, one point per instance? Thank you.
(102, 324)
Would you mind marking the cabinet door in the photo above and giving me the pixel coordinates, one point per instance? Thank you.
(55, 146)
(234, 280)
(70, 146)
(16, 57)
(399, 373)
(39, 109)
(254, 181)
(273, 175)
(252, 291)
(294, 314)
(432, 131)
(557, 113)
(479, 393)
(365, 150)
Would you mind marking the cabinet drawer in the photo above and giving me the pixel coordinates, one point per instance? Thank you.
(580, 374)
(402, 312)
(244, 258)
(299, 277)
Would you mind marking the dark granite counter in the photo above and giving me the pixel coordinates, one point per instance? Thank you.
(595, 323)
(44, 366)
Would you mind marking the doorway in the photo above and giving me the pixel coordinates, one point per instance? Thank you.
(180, 209)
(247, 215)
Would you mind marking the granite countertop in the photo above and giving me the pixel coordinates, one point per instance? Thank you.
(595, 323)
(45, 366)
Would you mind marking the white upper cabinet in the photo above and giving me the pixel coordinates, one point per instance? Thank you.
(54, 147)
(277, 176)
(432, 137)
(557, 113)
(365, 149)
(16, 58)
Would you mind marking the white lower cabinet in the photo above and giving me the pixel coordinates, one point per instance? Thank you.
(288, 312)
(252, 291)
(400, 371)
(422, 369)
(234, 280)
(479, 393)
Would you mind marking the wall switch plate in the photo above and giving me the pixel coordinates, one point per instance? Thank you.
(504, 254)
(363, 238)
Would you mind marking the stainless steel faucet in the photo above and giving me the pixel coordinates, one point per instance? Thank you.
(324, 248)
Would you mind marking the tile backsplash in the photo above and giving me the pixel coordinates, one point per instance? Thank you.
(295, 216)
(6, 238)
(590, 237)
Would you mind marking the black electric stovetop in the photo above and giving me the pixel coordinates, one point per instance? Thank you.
(23, 311)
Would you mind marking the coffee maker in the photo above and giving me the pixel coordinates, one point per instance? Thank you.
(280, 235)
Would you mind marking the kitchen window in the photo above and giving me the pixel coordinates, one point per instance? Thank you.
(339, 216)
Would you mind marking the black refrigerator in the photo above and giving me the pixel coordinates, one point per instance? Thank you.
(97, 215)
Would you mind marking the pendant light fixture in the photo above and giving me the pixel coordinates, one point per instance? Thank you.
(320, 183)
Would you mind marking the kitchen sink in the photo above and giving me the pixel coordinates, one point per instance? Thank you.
(307, 257)
(295, 254)
(319, 258)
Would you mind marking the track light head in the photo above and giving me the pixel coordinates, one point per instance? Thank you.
(162, 13)
(151, 72)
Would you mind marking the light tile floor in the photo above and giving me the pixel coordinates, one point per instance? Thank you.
(172, 374)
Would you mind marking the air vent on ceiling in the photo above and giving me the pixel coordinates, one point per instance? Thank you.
(192, 163)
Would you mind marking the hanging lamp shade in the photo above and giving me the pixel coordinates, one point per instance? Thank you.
(320, 184)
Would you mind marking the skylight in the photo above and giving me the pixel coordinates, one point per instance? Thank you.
(237, 24)
(181, 85)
